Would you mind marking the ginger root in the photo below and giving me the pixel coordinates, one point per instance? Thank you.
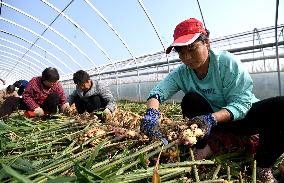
(190, 135)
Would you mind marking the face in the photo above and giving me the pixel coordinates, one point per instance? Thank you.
(194, 55)
(49, 84)
(86, 85)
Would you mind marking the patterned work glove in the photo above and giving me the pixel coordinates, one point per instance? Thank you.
(150, 123)
(204, 122)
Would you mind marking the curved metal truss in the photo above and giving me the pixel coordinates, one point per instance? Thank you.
(39, 36)
(30, 42)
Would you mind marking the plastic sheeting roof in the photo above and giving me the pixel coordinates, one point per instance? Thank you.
(84, 34)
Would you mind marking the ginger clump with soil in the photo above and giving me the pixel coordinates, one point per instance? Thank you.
(183, 132)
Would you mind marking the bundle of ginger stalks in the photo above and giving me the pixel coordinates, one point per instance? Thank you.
(81, 148)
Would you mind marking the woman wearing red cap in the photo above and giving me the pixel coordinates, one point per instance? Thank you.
(218, 97)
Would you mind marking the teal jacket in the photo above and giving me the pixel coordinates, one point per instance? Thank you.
(227, 84)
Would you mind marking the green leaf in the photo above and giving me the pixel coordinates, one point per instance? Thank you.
(3, 174)
(4, 126)
(94, 155)
(69, 147)
(88, 172)
(23, 165)
(27, 124)
(80, 177)
(142, 161)
(62, 179)
(15, 174)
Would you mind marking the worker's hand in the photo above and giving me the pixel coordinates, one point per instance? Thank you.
(65, 108)
(204, 122)
(39, 111)
(149, 125)
(107, 115)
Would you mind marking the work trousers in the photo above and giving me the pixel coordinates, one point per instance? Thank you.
(90, 104)
(11, 104)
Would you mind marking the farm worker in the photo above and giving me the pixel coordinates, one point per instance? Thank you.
(7, 92)
(92, 96)
(218, 94)
(21, 85)
(43, 95)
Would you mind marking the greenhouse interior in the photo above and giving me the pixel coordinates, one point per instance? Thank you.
(122, 46)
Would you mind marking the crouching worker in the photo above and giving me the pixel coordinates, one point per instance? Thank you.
(43, 96)
(219, 99)
(92, 96)
(7, 92)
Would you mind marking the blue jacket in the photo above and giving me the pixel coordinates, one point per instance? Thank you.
(24, 84)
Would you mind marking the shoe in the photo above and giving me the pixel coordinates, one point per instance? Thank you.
(265, 175)
(205, 153)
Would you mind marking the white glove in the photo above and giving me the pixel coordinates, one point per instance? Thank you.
(39, 111)
(65, 108)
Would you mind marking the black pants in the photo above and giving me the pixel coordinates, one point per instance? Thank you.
(265, 118)
(51, 103)
(90, 104)
(11, 104)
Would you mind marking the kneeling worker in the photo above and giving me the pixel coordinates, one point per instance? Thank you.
(92, 96)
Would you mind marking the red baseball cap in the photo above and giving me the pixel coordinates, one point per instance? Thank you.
(186, 33)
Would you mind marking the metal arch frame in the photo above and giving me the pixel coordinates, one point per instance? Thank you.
(4, 71)
(7, 69)
(66, 77)
(20, 62)
(33, 53)
(281, 32)
(10, 48)
(81, 29)
(275, 36)
(18, 75)
(234, 50)
(119, 37)
(255, 31)
(43, 38)
(39, 47)
(93, 40)
(104, 67)
(276, 50)
(10, 60)
(154, 27)
(129, 62)
(113, 29)
(52, 29)
(12, 54)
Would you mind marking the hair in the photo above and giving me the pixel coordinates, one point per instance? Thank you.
(50, 74)
(207, 33)
(80, 77)
(17, 84)
(203, 37)
(10, 89)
